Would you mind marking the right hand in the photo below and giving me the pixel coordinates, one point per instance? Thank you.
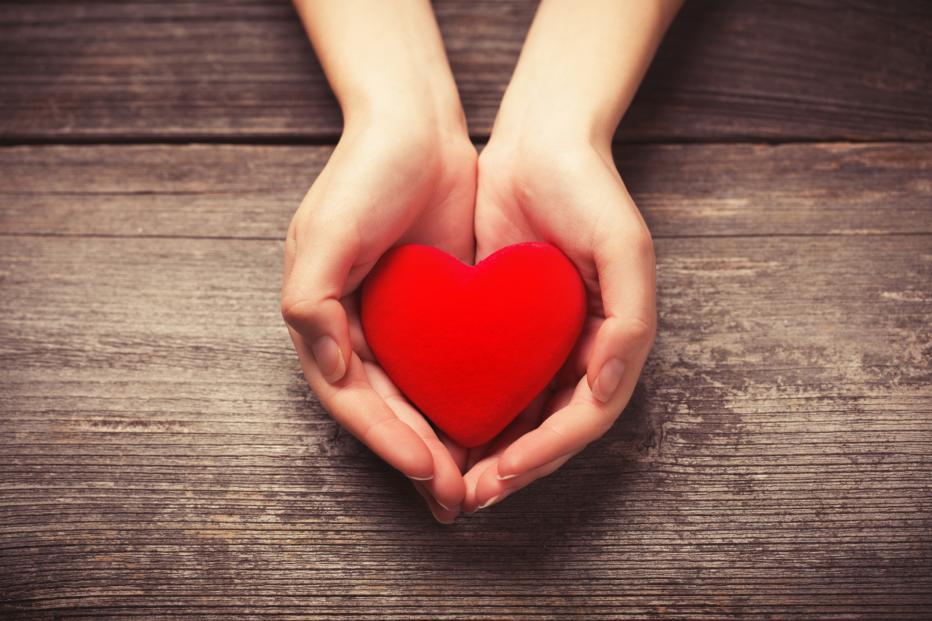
(387, 183)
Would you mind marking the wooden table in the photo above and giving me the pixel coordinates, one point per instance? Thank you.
(162, 457)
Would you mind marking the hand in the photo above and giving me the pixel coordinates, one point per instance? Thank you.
(386, 183)
(567, 192)
(404, 171)
(409, 176)
(547, 174)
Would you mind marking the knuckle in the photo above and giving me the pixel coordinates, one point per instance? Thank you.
(639, 330)
(297, 311)
(643, 244)
(377, 426)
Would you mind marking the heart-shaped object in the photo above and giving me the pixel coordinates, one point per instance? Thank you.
(471, 346)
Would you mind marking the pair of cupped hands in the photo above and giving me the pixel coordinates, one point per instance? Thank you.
(398, 180)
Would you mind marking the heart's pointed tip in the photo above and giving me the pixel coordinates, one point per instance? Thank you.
(469, 438)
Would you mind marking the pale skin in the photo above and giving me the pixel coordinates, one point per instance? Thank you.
(405, 171)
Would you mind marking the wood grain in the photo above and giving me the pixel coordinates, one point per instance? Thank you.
(729, 70)
(162, 458)
(160, 454)
(251, 191)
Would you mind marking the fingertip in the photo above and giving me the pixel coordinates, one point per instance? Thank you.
(608, 380)
(418, 470)
(533, 450)
(619, 341)
(441, 514)
(456, 494)
(444, 517)
(490, 488)
(471, 479)
(403, 449)
(491, 501)
(511, 463)
(447, 486)
(469, 504)
(329, 359)
(453, 493)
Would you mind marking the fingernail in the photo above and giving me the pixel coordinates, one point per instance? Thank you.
(608, 379)
(491, 501)
(505, 477)
(420, 478)
(329, 358)
(444, 521)
(446, 507)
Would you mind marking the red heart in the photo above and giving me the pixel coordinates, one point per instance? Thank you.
(471, 346)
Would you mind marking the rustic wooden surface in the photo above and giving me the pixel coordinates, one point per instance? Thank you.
(729, 69)
(161, 456)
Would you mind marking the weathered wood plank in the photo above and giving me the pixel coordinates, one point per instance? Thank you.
(251, 192)
(781, 69)
(160, 453)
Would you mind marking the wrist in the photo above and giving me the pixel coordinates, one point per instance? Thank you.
(532, 123)
(580, 91)
(385, 62)
(545, 134)
(411, 90)
(416, 137)
(416, 112)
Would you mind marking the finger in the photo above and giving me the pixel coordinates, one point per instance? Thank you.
(357, 336)
(576, 362)
(498, 443)
(440, 513)
(526, 421)
(491, 489)
(360, 410)
(460, 454)
(317, 263)
(624, 258)
(447, 486)
(567, 431)
(474, 455)
(476, 497)
(471, 479)
(559, 400)
(514, 431)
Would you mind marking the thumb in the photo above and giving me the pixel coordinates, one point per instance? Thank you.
(624, 259)
(315, 274)
(619, 350)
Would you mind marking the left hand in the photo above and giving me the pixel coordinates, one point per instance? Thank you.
(567, 193)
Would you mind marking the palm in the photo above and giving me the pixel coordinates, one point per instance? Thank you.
(390, 193)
